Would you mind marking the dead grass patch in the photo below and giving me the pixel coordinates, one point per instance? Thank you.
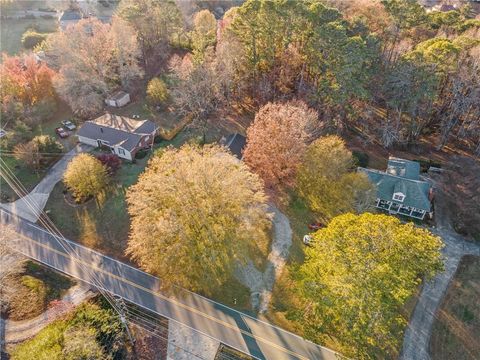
(456, 330)
(35, 288)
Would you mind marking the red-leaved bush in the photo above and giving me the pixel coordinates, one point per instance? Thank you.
(111, 161)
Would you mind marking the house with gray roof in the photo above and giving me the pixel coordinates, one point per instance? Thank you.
(69, 18)
(122, 135)
(235, 143)
(400, 189)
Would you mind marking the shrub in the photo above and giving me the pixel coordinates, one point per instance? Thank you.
(31, 38)
(111, 161)
(157, 91)
(361, 158)
(47, 144)
(141, 154)
(85, 177)
(90, 333)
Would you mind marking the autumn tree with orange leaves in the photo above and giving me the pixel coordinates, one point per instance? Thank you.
(26, 86)
(277, 139)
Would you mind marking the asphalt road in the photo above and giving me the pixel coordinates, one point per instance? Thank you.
(233, 328)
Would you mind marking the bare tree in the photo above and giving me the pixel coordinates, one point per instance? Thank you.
(93, 58)
(196, 92)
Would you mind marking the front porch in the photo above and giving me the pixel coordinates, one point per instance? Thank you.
(396, 208)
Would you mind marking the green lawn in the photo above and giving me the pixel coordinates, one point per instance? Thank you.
(27, 177)
(101, 224)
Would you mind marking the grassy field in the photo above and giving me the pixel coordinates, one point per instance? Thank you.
(456, 331)
(38, 286)
(13, 29)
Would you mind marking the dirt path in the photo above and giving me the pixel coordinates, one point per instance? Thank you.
(261, 284)
(18, 331)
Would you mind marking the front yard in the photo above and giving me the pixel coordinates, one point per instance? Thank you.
(101, 224)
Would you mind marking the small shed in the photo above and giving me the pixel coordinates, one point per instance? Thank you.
(118, 99)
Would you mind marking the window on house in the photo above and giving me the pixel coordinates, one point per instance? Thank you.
(398, 197)
(121, 151)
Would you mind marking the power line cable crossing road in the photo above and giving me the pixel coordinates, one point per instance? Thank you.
(235, 329)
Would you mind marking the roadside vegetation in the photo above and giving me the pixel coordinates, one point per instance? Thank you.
(360, 270)
(92, 331)
(455, 331)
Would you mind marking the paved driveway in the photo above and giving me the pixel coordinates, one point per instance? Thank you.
(30, 206)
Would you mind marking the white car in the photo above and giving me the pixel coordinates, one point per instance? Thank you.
(67, 124)
(307, 239)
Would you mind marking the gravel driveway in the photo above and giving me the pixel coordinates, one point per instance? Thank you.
(261, 284)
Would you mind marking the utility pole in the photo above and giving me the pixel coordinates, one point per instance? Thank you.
(122, 310)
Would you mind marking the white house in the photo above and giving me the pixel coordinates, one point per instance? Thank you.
(118, 99)
(122, 135)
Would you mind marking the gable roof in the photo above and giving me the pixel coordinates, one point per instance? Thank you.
(236, 143)
(416, 191)
(71, 15)
(117, 95)
(117, 130)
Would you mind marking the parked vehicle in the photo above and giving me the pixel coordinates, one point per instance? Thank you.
(68, 125)
(315, 226)
(307, 240)
(61, 132)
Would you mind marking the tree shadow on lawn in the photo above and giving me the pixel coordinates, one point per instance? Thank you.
(103, 226)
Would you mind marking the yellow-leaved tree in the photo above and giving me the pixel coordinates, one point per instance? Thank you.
(196, 212)
(357, 276)
(328, 183)
(85, 176)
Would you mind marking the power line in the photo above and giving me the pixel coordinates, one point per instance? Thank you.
(17, 186)
(123, 311)
(13, 153)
